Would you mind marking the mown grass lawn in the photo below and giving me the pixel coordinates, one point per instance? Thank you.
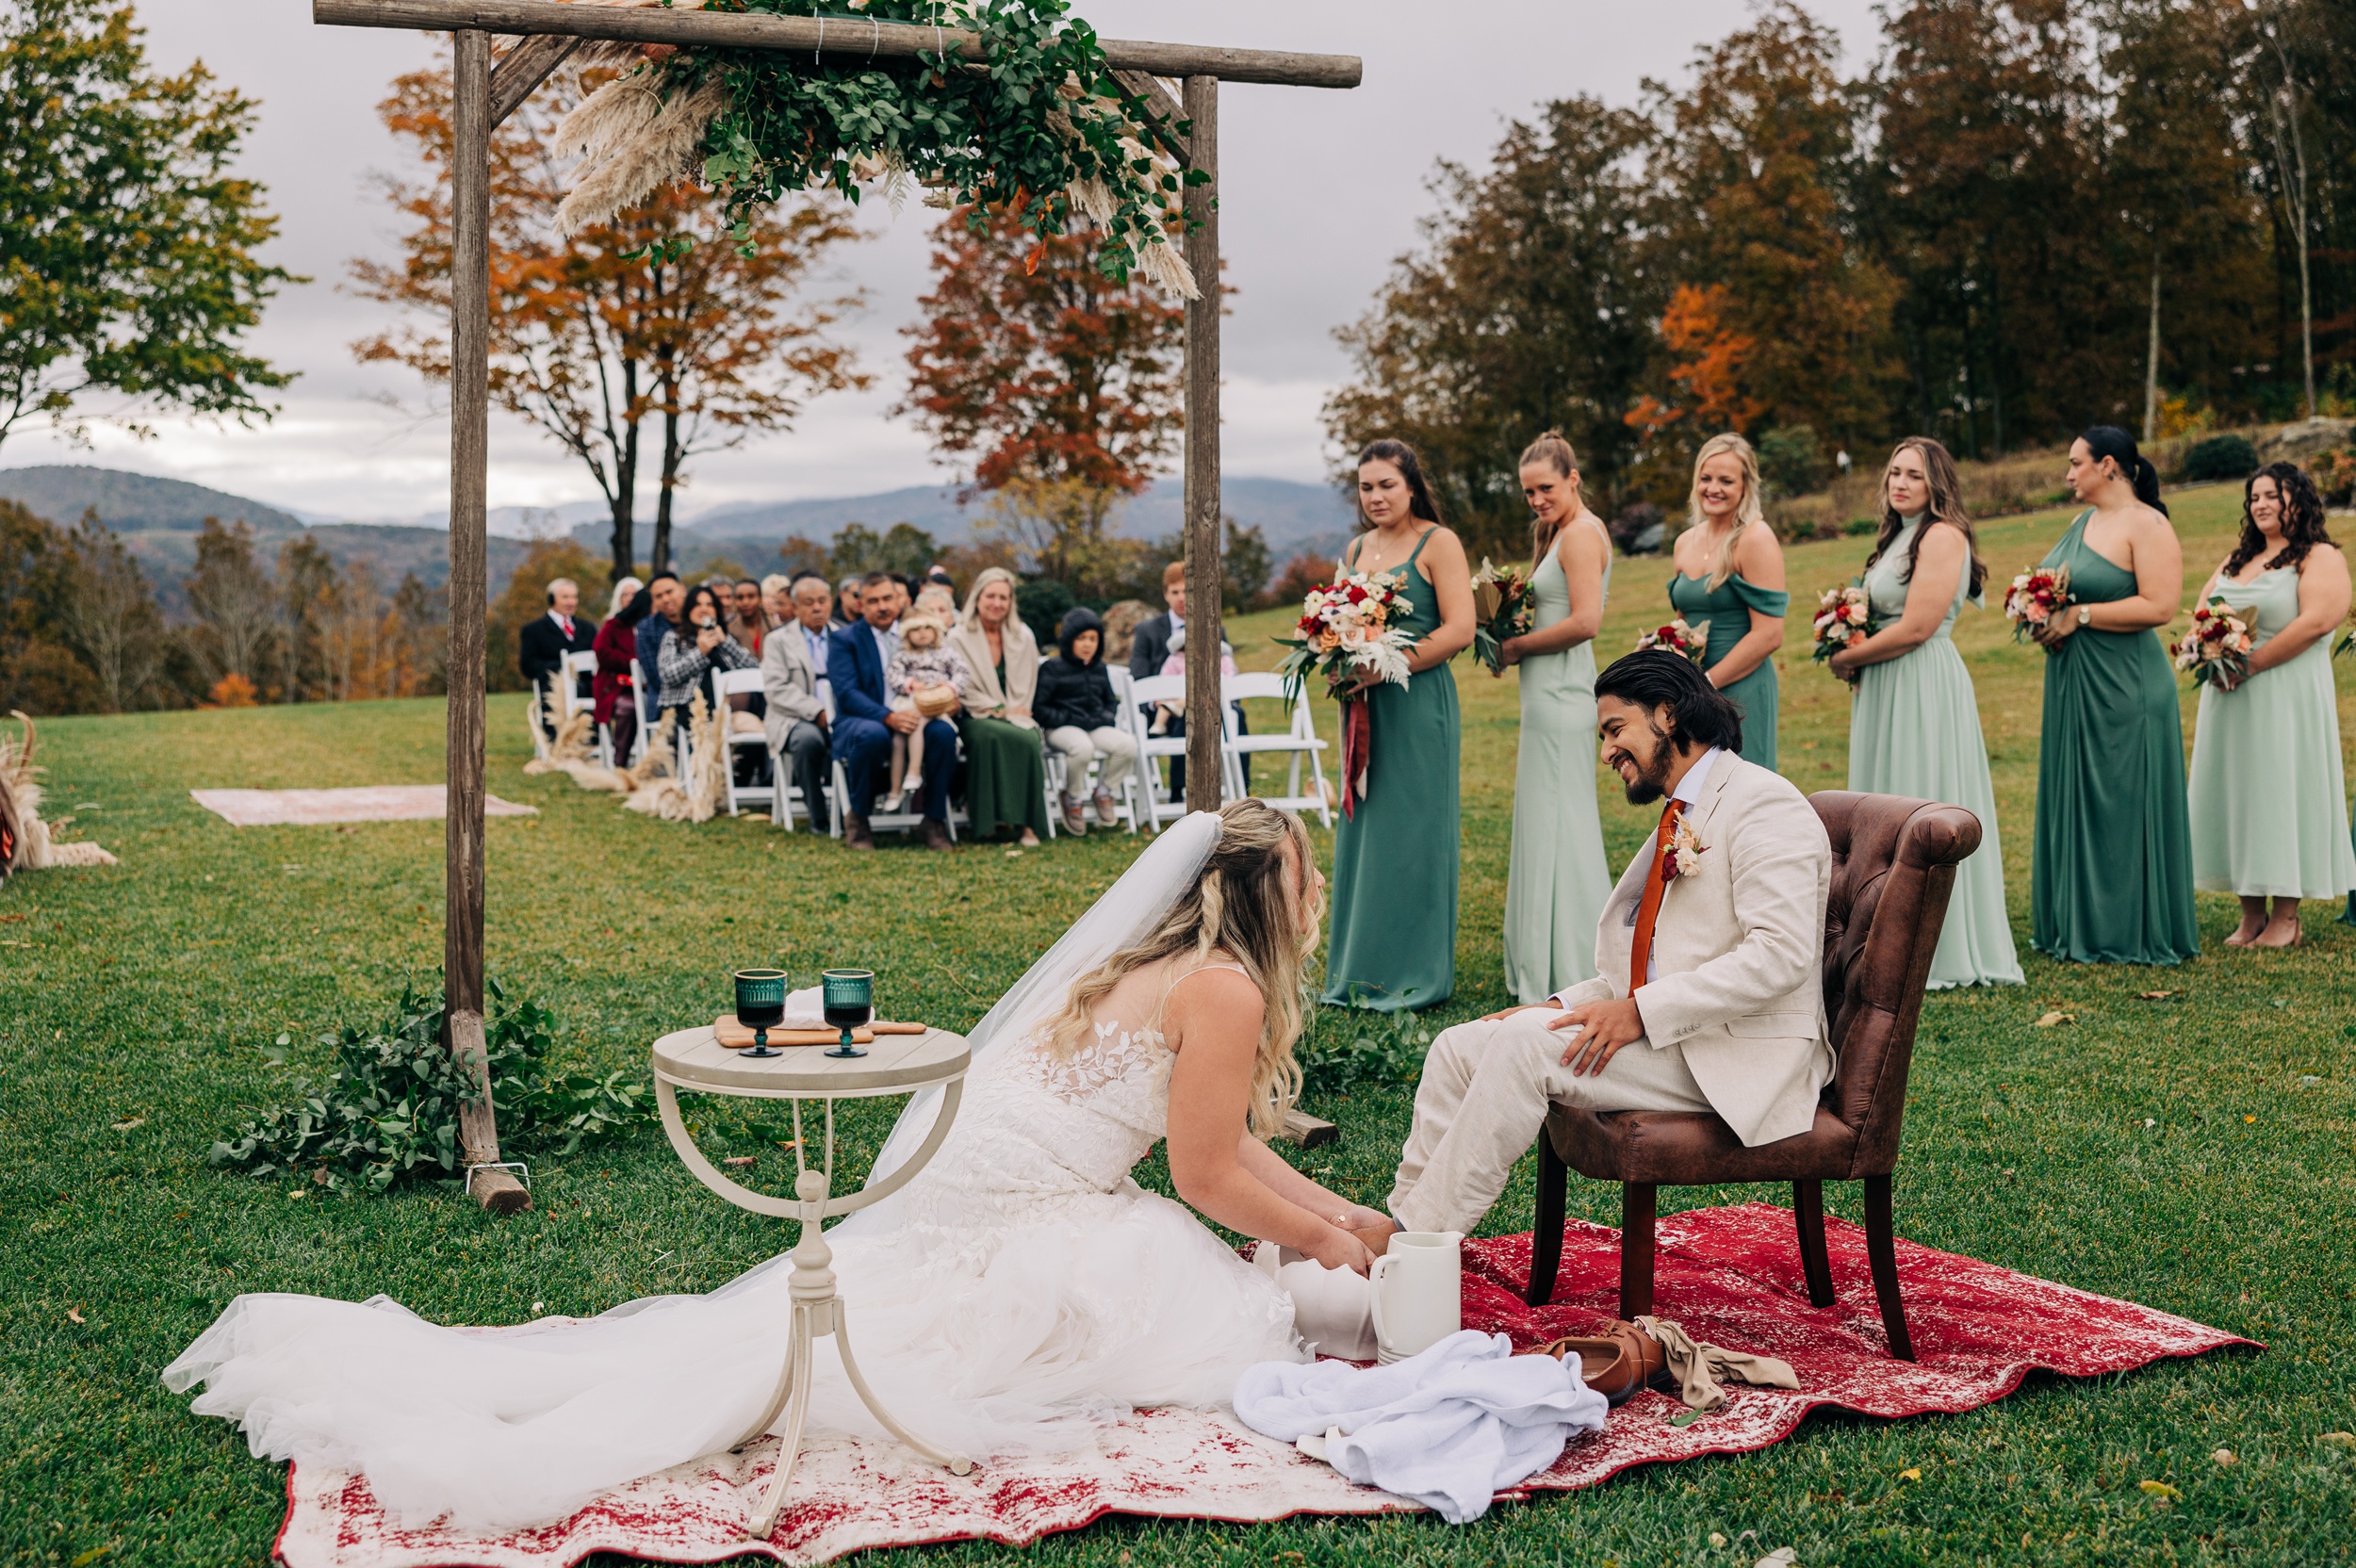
(2173, 1151)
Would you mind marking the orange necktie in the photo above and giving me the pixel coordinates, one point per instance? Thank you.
(1648, 908)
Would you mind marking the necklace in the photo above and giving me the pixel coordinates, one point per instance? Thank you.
(1382, 548)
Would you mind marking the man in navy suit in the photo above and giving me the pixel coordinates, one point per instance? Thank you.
(865, 723)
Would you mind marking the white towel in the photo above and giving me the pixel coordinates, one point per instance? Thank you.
(1449, 1427)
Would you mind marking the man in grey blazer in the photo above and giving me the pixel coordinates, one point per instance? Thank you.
(1723, 909)
(792, 663)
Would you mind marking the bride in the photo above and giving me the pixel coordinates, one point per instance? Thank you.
(1018, 1293)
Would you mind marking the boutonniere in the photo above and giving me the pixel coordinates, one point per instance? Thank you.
(1685, 852)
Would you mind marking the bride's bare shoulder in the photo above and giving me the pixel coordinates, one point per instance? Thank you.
(1214, 997)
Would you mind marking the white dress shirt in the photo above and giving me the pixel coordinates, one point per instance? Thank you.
(1689, 790)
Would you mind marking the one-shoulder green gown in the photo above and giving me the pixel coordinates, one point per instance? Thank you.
(2111, 882)
(1728, 609)
(1392, 935)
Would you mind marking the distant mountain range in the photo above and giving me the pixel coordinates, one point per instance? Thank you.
(159, 519)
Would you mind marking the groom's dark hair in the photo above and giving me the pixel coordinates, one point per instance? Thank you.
(1655, 677)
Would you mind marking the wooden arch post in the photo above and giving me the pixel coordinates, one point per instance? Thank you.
(548, 32)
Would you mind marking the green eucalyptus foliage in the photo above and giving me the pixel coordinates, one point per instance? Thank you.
(389, 1110)
(1004, 134)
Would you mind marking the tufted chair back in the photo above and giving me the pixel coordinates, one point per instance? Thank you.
(1893, 864)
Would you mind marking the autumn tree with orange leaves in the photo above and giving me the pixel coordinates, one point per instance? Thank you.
(594, 335)
(1058, 387)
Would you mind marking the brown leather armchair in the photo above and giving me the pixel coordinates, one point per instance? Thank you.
(1893, 865)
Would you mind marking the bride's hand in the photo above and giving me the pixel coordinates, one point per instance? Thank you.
(1339, 1249)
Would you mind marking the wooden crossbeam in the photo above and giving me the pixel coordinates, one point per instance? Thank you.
(850, 37)
(525, 67)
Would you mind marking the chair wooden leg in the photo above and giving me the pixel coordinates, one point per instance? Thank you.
(1546, 1237)
(1636, 1217)
(1807, 1210)
(1882, 1249)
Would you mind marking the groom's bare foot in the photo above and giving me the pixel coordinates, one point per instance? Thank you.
(1377, 1236)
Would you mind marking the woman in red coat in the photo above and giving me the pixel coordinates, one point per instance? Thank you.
(616, 645)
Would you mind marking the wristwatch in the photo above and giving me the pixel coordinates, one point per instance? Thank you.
(2085, 615)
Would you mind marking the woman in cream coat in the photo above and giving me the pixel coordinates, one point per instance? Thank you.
(1005, 768)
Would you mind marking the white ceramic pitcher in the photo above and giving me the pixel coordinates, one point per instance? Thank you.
(1419, 1293)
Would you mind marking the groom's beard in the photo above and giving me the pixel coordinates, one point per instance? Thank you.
(1652, 775)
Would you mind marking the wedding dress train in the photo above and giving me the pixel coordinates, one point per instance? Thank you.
(1018, 1292)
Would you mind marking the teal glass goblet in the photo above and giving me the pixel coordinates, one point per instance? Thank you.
(849, 999)
(761, 1005)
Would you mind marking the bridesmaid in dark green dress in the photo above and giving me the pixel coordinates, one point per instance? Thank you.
(1730, 574)
(2112, 878)
(1392, 941)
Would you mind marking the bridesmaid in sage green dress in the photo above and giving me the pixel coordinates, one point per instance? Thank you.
(1392, 935)
(2269, 815)
(1914, 728)
(1557, 879)
(2111, 880)
(1730, 574)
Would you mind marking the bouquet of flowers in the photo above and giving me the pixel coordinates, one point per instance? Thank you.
(2218, 646)
(1345, 631)
(1845, 618)
(2035, 596)
(1691, 640)
(1504, 600)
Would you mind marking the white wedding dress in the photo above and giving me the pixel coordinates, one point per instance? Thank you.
(1018, 1292)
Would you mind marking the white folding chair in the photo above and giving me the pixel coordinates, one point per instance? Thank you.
(1298, 740)
(580, 667)
(1151, 749)
(882, 822)
(726, 684)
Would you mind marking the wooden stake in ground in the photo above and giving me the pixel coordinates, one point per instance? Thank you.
(469, 436)
(1204, 775)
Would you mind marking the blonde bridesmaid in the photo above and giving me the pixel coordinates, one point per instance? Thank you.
(1558, 881)
(1730, 574)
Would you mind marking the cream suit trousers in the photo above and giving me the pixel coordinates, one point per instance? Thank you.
(1482, 1103)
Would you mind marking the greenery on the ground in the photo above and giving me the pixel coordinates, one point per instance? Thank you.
(389, 1109)
(2191, 1150)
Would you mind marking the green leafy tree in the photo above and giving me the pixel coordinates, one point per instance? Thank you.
(1527, 306)
(902, 547)
(127, 261)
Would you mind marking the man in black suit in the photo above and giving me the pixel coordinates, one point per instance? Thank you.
(541, 646)
(1149, 650)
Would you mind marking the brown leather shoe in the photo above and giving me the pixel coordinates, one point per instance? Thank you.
(937, 834)
(856, 834)
(1617, 1363)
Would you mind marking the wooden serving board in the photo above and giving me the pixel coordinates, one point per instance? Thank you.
(736, 1036)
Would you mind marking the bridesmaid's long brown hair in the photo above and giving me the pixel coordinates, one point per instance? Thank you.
(1945, 506)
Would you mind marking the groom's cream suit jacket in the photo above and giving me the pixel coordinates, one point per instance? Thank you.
(1738, 951)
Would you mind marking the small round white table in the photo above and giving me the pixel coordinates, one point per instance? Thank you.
(894, 1064)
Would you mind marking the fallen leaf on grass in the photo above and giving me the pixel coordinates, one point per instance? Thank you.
(2308, 1079)
(2158, 1489)
(1782, 1557)
(93, 1555)
(74, 1314)
(2155, 996)
(2339, 1440)
(15, 945)
(126, 1126)
(2250, 1119)
(2224, 1456)
(2047, 1020)
(1909, 1475)
(740, 1159)
(1716, 1540)
(11, 920)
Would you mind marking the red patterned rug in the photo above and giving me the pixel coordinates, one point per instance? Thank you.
(1730, 1276)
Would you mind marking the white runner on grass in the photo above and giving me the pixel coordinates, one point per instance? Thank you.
(311, 808)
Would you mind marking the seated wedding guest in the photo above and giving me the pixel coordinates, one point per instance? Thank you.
(856, 657)
(543, 644)
(935, 599)
(1709, 991)
(616, 647)
(690, 654)
(1074, 707)
(848, 597)
(924, 678)
(665, 595)
(2269, 802)
(748, 619)
(1006, 769)
(792, 663)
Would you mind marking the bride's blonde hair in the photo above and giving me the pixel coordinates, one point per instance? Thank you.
(1244, 902)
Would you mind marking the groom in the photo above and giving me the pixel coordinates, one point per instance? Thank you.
(1719, 922)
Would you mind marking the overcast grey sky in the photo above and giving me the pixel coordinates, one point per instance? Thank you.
(1320, 191)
